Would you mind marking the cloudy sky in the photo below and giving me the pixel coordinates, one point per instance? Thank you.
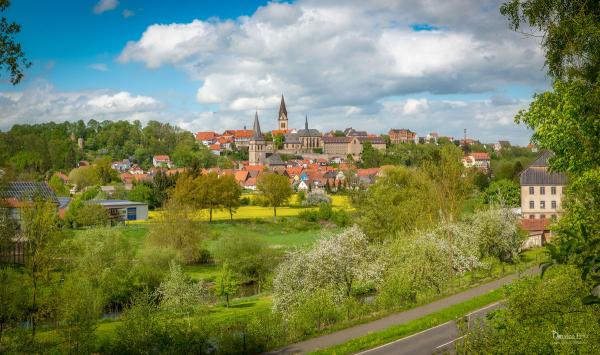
(420, 64)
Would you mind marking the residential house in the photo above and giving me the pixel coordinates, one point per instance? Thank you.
(162, 161)
(538, 231)
(207, 138)
(502, 145)
(478, 160)
(122, 165)
(541, 190)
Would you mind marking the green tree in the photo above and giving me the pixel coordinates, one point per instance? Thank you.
(229, 192)
(143, 193)
(12, 57)
(41, 232)
(84, 177)
(275, 188)
(226, 285)
(178, 292)
(89, 215)
(503, 192)
(248, 257)
(13, 302)
(176, 229)
(58, 186)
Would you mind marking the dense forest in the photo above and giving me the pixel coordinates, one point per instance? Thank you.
(35, 150)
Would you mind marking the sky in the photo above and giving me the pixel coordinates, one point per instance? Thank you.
(425, 65)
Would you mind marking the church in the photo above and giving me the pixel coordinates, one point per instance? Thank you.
(300, 141)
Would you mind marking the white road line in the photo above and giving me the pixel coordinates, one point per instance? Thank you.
(450, 342)
(486, 307)
(401, 339)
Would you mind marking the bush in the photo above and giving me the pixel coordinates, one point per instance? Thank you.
(316, 198)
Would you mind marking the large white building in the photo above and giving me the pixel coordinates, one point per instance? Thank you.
(541, 190)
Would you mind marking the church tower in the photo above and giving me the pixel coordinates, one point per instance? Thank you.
(257, 148)
(283, 116)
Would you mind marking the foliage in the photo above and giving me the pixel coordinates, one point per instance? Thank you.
(275, 188)
(395, 203)
(58, 186)
(249, 258)
(13, 302)
(143, 193)
(557, 309)
(502, 193)
(87, 215)
(316, 198)
(336, 263)
(177, 292)
(498, 233)
(12, 57)
(176, 230)
(84, 177)
(227, 284)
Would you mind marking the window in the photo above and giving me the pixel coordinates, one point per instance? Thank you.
(531, 190)
(542, 204)
(542, 216)
(531, 216)
(531, 204)
(553, 190)
(553, 204)
(542, 190)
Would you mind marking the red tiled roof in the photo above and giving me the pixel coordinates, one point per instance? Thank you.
(241, 176)
(535, 224)
(480, 156)
(175, 171)
(215, 147)
(279, 131)
(367, 172)
(204, 136)
(239, 133)
(162, 158)
(255, 167)
(250, 182)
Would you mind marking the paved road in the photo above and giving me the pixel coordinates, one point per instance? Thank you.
(440, 339)
(342, 336)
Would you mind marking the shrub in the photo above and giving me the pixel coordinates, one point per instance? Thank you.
(316, 198)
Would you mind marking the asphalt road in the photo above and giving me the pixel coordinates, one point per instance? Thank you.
(344, 335)
(440, 339)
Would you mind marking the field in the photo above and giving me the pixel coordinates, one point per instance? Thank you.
(257, 212)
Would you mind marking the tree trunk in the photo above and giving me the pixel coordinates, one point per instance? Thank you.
(210, 214)
(230, 214)
(274, 211)
(227, 300)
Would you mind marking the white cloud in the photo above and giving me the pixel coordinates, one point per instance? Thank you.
(412, 106)
(42, 103)
(105, 5)
(98, 66)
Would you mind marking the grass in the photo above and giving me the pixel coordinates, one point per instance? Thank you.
(372, 340)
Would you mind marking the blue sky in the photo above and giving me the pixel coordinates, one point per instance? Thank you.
(209, 64)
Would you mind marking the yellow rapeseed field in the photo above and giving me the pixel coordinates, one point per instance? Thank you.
(251, 212)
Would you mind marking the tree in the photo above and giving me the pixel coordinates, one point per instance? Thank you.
(143, 193)
(226, 285)
(178, 292)
(533, 327)
(370, 157)
(41, 237)
(275, 188)
(84, 177)
(12, 57)
(88, 215)
(106, 174)
(13, 301)
(336, 263)
(58, 186)
(565, 119)
(176, 229)
(229, 193)
(503, 192)
(248, 257)
(395, 203)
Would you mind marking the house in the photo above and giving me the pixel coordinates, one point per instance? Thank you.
(122, 165)
(432, 137)
(136, 170)
(215, 149)
(206, 138)
(398, 136)
(122, 210)
(541, 190)
(241, 137)
(478, 160)
(351, 132)
(162, 161)
(538, 231)
(17, 196)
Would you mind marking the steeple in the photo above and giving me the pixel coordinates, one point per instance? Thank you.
(306, 122)
(256, 133)
(282, 109)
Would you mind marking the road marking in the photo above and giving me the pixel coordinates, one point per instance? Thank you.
(401, 339)
(486, 307)
(450, 342)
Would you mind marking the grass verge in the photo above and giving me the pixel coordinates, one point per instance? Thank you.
(396, 332)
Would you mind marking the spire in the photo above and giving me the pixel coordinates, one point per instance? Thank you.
(282, 109)
(306, 122)
(256, 133)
